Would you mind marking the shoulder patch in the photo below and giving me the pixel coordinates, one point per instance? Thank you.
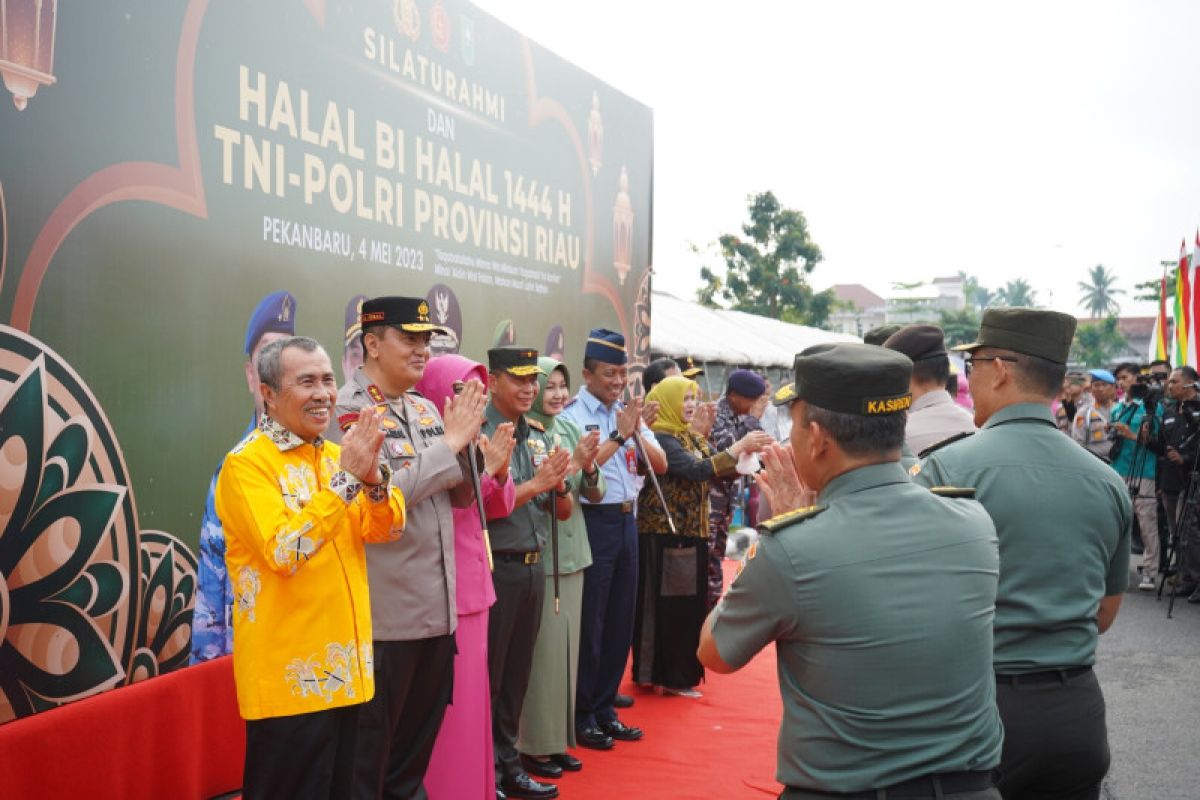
(533, 423)
(933, 448)
(953, 491)
(781, 521)
(346, 420)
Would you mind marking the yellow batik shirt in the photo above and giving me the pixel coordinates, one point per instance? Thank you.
(295, 524)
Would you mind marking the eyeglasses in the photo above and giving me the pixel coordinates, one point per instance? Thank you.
(970, 361)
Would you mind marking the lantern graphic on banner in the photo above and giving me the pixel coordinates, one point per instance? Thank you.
(27, 46)
(623, 229)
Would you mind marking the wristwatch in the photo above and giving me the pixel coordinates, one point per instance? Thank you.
(616, 436)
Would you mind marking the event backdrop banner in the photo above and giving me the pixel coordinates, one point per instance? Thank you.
(178, 177)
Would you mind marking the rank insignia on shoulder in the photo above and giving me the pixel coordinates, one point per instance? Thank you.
(915, 469)
(933, 448)
(953, 491)
(346, 420)
(537, 426)
(376, 394)
(781, 521)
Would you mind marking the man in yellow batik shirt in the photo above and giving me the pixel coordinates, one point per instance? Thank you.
(297, 510)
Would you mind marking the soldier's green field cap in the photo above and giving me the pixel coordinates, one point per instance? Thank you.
(850, 378)
(519, 361)
(1032, 331)
(880, 334)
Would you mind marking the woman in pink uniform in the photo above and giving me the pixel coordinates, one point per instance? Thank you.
(461, 767)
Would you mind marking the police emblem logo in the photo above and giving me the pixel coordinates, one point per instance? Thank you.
(423, 311)
(408, 449)
(285, 309)
(425, 421)
(389, 423)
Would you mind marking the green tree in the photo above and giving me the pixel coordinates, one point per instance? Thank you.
(1148, 290)
(978, 296)
(1097, 343)
(1016, 293)
(960, 326)
(1098, 292)
(767, 266)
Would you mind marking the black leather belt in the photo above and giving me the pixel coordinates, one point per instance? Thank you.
(934, 785)
(527, 559)
(1045, 676)
(625, 507)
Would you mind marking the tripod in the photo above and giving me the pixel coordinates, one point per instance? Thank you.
(1187, 516)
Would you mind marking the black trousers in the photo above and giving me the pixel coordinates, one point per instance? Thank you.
(1055, 739)
(1189, 541)
(512, 632)
(414, 682)
(303, 756)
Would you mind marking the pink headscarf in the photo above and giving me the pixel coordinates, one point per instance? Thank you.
(437, 384)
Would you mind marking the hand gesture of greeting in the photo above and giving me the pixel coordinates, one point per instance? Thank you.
(360, 447)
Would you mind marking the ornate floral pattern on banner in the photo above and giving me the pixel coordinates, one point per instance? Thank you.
(309, 676)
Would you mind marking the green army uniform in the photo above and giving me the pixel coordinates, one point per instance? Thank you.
(1063, 519)
(879, 599)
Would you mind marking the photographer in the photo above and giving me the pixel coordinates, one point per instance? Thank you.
(1135, 421)
(1176, 446)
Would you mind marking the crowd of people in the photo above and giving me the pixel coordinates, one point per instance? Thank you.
(431, 579)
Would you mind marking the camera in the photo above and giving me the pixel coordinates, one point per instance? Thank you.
(1148, 389)
(1189, 411)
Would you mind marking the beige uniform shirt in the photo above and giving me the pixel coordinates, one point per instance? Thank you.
(412, 580)
(935, 417)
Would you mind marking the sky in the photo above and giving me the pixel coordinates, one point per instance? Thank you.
(1005, 139)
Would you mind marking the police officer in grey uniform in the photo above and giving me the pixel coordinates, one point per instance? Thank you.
(934, 416)
(413, 613)
(1064, 521)
(879, 599)
(539, 472)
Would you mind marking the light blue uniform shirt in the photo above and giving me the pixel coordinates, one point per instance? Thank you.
(590, 414)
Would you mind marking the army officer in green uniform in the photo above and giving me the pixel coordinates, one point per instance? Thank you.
(1063, 519)
(879, 599)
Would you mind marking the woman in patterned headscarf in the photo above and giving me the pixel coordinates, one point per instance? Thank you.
(673, 572)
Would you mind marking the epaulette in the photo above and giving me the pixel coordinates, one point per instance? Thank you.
(533, 423)
(780, 521)
(933, 448)
(953, 491)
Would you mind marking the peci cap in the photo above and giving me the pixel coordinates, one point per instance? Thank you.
(688, 368)
(275, 313)
(880, 334)
(1031, 331)
(747, 383)
(519, 361)
(353, 312)
(607, 346)
(409, 314)
(918, 342)
(850, 378)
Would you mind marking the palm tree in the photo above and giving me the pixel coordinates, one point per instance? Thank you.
(1015, 293)
(1097, 295)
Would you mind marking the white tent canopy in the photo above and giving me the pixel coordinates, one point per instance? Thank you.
(682, 328)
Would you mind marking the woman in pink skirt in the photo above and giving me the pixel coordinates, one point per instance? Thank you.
(461, 767)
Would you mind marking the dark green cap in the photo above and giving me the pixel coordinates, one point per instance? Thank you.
(519, 361)
(880, 334)
(1032, 331)
(850, 378)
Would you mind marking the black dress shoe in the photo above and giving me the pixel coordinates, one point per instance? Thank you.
(567, 761)
(1194, 597)
(543, 769)
(1185, 589)
(593, 739)
(622, 701)
(621, 732)
(521, 785)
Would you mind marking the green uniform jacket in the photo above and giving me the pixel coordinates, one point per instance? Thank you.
(880, 607)
(1064, 520)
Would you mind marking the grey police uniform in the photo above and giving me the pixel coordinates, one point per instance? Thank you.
(413, 613)
(880, 601)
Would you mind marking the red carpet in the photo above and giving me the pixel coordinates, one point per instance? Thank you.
(721, 745)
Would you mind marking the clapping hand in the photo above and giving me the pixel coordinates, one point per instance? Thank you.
(629, 416)
(553, 471)
(703, 419)
(650, 413)
(497, 450)
(464, 415)
(360, 446)
(779, 483)
(583, 459)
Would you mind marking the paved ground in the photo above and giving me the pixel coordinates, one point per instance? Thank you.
(1149, 667)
